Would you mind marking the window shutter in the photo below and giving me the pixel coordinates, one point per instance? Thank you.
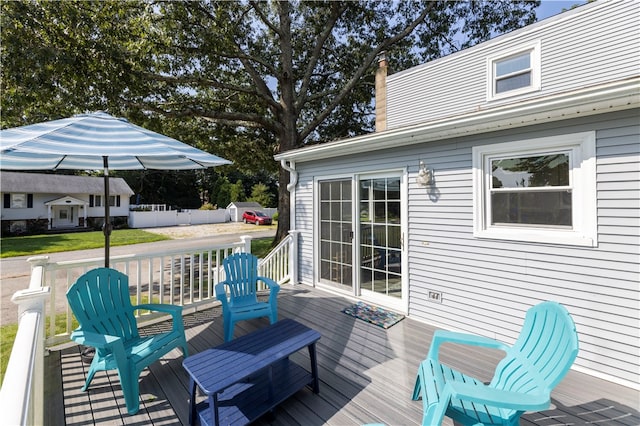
(117, 201)
(90, 200)
(7, 201)
(29, 201)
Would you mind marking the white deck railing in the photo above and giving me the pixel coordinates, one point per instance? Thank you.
(278, 264)
(184, 277)
(22, 393)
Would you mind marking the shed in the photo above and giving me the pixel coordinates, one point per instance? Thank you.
(237, 208)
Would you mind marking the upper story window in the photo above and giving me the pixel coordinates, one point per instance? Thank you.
(539, 190)
(514, 72)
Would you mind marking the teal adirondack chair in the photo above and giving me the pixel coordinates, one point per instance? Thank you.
(523, 380)
(242, 303)
(101, 304)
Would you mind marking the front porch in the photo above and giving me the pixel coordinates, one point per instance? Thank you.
(366, 373)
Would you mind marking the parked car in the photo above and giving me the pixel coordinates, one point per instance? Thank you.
(257, 217)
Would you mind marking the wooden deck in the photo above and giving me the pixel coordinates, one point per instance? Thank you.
(367, 376)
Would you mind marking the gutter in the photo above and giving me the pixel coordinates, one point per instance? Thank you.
(293, 174)
(617, 96)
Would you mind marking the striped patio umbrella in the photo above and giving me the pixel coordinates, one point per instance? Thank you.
(97, 141)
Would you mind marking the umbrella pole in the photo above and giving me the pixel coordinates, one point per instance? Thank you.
(106, 229)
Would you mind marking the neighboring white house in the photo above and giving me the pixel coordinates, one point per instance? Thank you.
(36, 202)
(501, 176)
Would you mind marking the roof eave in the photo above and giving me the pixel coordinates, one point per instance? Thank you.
(620, 95)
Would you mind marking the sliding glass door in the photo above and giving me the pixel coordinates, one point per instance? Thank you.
(361, 237)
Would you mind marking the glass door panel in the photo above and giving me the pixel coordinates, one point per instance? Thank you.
(336, 234)
(380, 236)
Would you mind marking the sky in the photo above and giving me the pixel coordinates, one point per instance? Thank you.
(553, 7)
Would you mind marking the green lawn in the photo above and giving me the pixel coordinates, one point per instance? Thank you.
(54, 243)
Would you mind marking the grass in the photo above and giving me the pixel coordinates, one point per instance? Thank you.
(47, 244)
(54, 243)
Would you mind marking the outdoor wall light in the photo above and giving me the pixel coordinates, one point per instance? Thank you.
(425, 175)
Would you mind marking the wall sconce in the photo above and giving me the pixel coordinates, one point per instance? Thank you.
(425, 175)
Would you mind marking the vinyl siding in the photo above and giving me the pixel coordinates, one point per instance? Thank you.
(578, 50)
(487, 285)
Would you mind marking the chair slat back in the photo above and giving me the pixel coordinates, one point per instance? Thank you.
(101, 303)
(242, 272)
(543, 353)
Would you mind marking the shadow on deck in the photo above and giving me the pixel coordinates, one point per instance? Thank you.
(366, 373)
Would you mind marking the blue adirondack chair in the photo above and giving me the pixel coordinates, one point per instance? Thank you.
(523, 380)
(242, 303)
(101, 304)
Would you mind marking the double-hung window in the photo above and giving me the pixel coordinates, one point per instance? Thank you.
(514, 72)
(539, 190)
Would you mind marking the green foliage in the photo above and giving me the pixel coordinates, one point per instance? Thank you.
(237, 192)
(223, 194)
(42, 244)
(208, 206)
(260, 194)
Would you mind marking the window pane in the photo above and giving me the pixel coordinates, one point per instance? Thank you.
(379, 189)
(18, 201)
(532, 208)
(514, 82)
(529, 172)
(513, 64)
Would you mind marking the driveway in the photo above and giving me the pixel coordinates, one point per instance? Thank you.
(15, 272)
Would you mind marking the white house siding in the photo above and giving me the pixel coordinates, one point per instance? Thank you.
(487, 285)
(577, 51)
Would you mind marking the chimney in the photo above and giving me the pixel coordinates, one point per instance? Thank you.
(381, 93)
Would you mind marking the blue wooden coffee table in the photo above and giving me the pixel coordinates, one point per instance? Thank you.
(249, 376)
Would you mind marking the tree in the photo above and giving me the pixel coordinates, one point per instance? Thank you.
(260, 194)
(237, 191)
(257, 77)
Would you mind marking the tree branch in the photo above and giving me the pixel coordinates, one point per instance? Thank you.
(311, 126)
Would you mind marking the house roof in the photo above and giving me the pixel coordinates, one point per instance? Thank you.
(58, 184)
(245, 204)
(609, 97)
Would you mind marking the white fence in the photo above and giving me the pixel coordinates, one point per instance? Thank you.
(185, 278)
(155, 219)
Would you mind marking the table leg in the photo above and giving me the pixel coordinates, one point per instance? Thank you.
(192, 402)
(314, 368)
(213, 402)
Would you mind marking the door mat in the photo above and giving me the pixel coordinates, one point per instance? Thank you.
(373, 314)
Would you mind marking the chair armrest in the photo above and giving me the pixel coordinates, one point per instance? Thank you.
(221, 293)
(498, 398)
(100, 341)
(273, 286)
(443, 336)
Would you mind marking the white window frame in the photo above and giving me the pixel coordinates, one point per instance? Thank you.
(534, 60)
(582, 149)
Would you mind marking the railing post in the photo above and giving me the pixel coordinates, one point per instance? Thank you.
(246, 240)
(293, 256)
(22, 394)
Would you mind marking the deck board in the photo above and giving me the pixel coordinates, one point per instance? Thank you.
(366, 376)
